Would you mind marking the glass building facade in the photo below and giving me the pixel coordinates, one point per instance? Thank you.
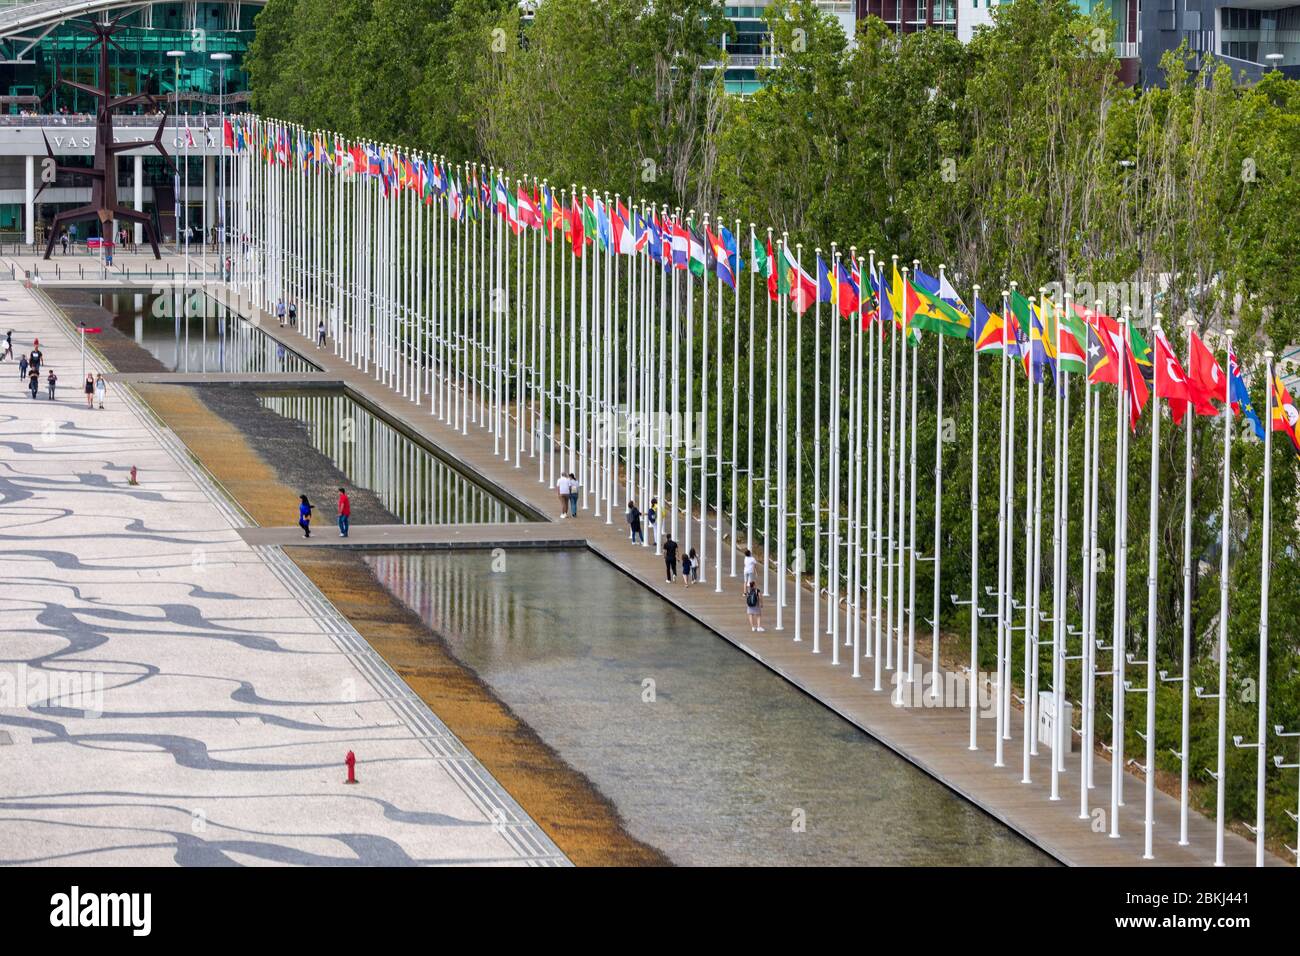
(138, 63)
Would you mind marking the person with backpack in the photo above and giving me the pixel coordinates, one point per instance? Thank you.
(670, 558)
(652, 519)
(754, 606)
(293, 314)
(279, 312)
(304, 516)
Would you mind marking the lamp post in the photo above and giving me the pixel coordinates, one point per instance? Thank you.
(1278, 762)
(175, 56)
(221, 59)
(1274, 59)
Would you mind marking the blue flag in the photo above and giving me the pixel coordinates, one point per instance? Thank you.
(1239, 395)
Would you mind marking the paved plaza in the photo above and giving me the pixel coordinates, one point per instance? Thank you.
(170, 694)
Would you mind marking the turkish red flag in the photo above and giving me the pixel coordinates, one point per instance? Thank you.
(228, 135)
(1171, 380)
(1206, 376)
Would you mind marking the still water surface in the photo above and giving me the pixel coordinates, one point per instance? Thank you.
(725, 761)
(413, 484)
(196, 334)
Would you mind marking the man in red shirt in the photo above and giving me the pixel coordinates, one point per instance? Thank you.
(345, 512)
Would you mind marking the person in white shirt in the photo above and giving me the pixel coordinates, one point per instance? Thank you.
(562, 489)
(751, 565)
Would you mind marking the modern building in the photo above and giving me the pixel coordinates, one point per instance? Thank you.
(750, 48)
(43, 41)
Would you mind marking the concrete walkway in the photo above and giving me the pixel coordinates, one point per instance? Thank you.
(934, 738)
(171, 694)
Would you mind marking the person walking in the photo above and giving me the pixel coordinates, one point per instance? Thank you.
(695, 567)
(634, 522)
(63, 241)
(90, 390)
(573, 495)
(320, 334)
(33, 380)
(345, 513)
(22, 368)
(50, 381)
(293, 314)
(751, 567)
(36, 358)
(101, 386)
(304, 516)
(688, 567)
(279, 312)
(670, 558)
(9, 345)
(562, 490)
(652, 519)
(754, 606)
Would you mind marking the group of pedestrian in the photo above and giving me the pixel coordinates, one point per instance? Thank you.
(291, 310)
(29, 373)
(344, 514)
(566, 488)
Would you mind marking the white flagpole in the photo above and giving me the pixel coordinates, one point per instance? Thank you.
(897, 377)
(911, 540)
(879, 526)
(972, 685)
(1087, 644)
(937, 478)
(782, 461)
(1120, 599)
(1153, 571)
(817, 472)
(749, 442)
(717, 428)
(798, 570)
(704, 412)
(1186, 676)
(855, 570)
(1030, 510)
(1225, 506)
(735, 400)
(1266, 564)
(1004, 519)
(1059, 448)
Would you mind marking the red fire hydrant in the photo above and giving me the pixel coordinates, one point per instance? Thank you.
(351, 761)
(133, 479)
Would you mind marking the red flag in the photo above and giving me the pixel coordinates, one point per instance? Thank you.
(1206, 376)
(1135, 385)
(1171, 380)
(228, 134)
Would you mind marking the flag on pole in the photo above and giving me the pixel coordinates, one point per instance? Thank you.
(949, 295)
(798, 283)
(1241, 403)
(528, 213)
(926, 311)
(848, 293)
(990, 330)
(1103, 363)
(624, 239)
(1171, 380)
(695, 248)
(721, 259)
(1072, 337)
(1206, 375)
(1285, 415)
(884, 298)
(825, 282)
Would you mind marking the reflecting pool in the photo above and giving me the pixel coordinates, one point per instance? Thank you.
(195, 333)
(707, 754)
(413, 484)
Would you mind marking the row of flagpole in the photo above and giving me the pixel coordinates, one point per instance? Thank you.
(446, 283)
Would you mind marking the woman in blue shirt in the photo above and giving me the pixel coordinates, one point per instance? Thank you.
(304, 516)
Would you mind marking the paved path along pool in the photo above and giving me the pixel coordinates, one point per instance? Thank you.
(170, 693)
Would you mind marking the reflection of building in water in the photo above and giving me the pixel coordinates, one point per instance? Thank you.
(412, 483)
(198, 334)
(451, 600)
